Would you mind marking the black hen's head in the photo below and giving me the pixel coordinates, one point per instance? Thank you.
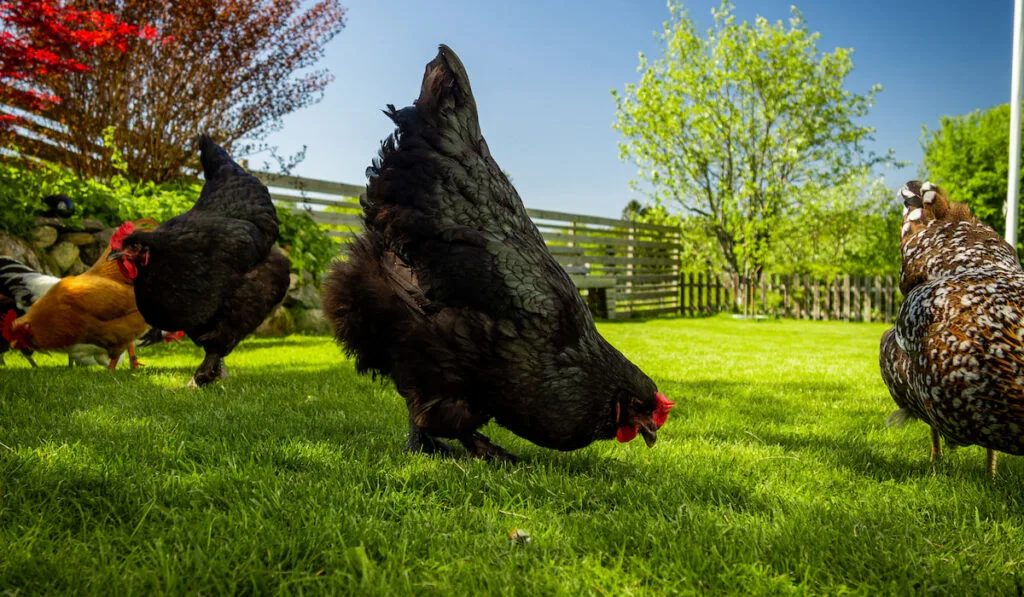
(58, 206)
(130, 246)
(636, 407)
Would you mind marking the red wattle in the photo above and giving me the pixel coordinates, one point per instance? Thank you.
(626, 433)
(8, 325)
(128, 269)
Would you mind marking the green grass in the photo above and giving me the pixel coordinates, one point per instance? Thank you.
(775, 474)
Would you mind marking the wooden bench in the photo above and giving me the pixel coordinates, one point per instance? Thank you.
(601, 290)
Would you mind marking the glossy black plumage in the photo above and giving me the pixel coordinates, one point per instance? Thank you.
(452, 292)
(213, 271)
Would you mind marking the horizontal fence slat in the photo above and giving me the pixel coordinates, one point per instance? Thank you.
(336, 219)
(315, 201)
(543, 214)
(586, 239)
(311, 185)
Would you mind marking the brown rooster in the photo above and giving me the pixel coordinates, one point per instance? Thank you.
(955, 358)
(453, 294)
(96, 307)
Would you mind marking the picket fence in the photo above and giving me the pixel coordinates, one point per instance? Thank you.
(844, 298)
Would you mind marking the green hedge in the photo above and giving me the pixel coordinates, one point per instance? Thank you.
(24, 184)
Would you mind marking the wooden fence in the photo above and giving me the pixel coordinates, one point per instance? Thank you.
(633, 269)
(844, 298)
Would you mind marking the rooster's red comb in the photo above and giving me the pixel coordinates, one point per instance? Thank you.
(661, 410)
(123, 231)
(8, 325)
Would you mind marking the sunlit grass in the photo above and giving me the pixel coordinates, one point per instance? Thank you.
(774, 474)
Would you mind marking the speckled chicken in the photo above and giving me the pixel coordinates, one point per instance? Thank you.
(955, 358)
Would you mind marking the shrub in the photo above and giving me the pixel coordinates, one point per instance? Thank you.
(23, 184)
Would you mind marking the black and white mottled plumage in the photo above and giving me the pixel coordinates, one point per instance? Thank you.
(955, 358)
(452, 292)
(213, 271)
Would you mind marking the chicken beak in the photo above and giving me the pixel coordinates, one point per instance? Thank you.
(649, 433)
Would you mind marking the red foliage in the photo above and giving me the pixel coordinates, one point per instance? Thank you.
(41, 38)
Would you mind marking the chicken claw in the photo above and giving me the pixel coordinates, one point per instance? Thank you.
(481, 447)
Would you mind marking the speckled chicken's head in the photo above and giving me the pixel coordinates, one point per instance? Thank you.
(926, 202)
(939, 238)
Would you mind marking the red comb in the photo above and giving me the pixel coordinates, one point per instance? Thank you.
(173, 336)
(117, 240)
(8, 326)
(661, 411)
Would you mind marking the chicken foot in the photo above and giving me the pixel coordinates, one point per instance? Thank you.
(210, 370)
(421, 441)
(132, 359)
(478, 445)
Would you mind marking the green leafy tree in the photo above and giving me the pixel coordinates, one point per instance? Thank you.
(967, 155)
(729, 125)
(853, 228)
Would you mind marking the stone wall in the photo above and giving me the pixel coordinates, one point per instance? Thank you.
(60, 249)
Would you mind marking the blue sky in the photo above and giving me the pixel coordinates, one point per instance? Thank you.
(542, 74)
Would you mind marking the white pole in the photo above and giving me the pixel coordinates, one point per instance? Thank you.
(1013, 184)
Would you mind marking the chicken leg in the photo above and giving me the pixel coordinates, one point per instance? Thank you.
(210, 370)
(421, 441)
(132, 359)
(936, 445)
(990, 461)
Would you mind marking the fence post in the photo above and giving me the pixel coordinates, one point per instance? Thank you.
(816, 313)
(718, 293)
(890, 307)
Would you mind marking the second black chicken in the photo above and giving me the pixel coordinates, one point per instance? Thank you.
(213, 271)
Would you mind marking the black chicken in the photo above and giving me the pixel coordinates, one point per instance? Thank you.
(453, 294)
(213, 271)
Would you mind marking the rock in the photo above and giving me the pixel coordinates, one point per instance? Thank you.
(77, 268)
(278, 323)
(103, 236)
(305, 296)
(64, 256)
(93, 225)
(55, 222)
(90, 253)
(307, 277)
(77, 238)
(311, 321)
(293, 281)
(22, 250)
(44, 236)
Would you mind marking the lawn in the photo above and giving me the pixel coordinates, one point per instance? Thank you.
(775, 474)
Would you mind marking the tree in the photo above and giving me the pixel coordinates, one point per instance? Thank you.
(42, 39)
(730, 124)
(852, 228)
(234, 68)
(967, 155)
